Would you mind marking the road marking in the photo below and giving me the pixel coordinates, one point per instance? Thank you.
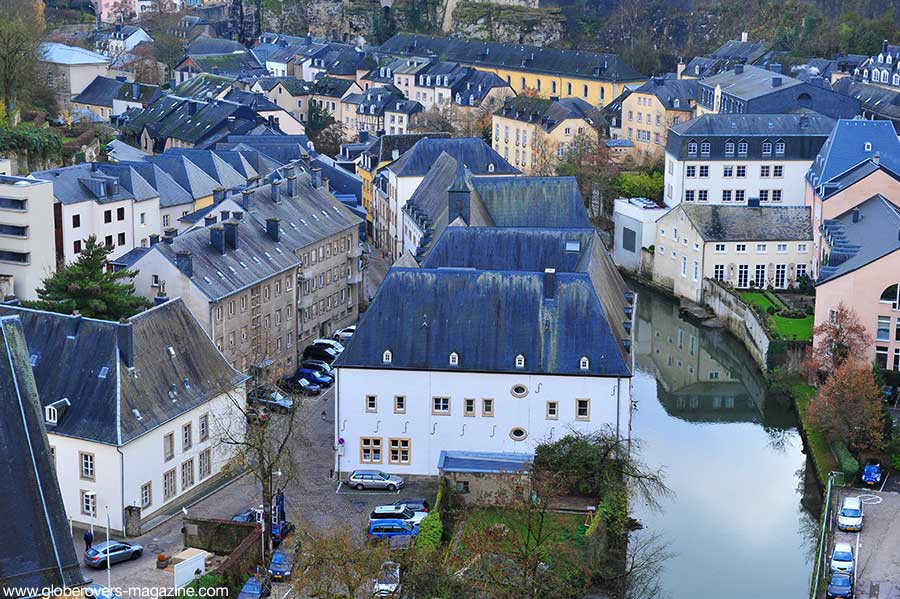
(884, 482)
(856, 566)
(869, 499)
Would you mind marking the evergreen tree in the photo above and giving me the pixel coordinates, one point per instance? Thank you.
(87, 286)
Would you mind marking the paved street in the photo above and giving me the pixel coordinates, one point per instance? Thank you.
(310, 501)
(877, 547)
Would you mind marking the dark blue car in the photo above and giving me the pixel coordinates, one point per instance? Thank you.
(255, 588)
(390, 527)
(872, 472)
(280, 569)
(840, 586)
(314, 376)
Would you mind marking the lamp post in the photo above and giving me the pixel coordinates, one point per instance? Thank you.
(108, 561)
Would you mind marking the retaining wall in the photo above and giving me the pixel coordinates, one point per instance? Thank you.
(740, 320)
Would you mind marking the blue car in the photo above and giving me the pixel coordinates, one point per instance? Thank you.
(872, 472)
(314, 376)
(255, 588)
(840, 586)
(390, 527)
(280, 568)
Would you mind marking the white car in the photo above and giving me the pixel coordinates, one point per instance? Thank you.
(330, 343)
(842, 558)
(397, 512)
(344, 334)
(851, 515)
(388, 582)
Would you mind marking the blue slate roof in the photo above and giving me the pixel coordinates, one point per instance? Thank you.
(127, 260)
(484, 462)
(477, 156)
(853, 245)
(671, 92)
(341, 182)
(108, 403)
(100, 92)
(42, 556)
(745, 223)
(532, 201)
(846, 149)
(552, 334)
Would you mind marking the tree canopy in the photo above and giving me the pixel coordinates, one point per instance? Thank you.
(21, 29)
(88, 286)
(847, 408)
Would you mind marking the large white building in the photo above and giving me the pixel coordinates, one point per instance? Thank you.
(502, 339)
(731, 158)
(134, 424)
(27, 253)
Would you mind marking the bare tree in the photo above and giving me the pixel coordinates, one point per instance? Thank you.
(21, 29)
(337, 563)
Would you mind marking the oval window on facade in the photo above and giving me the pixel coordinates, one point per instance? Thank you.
(519, 390)
(518, 434)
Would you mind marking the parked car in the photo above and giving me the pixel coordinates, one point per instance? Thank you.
(248, 515)
(331, 343)
(112, 552)
(293, 384)
(271, 398)
(416, 504)
(842, 558)
(385, 529)
(318, 352)
(316, 377)
(343, 335)
(396, 512)
(851, 515)
(281, 530)
(374, 479)
(256, 414)
(871, 474)
(323, 367)
(840, 586)
(388, 582)
(256, 587)
(280, 568)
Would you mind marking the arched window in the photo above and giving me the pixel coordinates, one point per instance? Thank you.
(584, 363)
(676, 103)
(729, 148)
(454, 359)
(387, 356)
(491, 167)
(692, 147)
(779, 147)
(767, 147)
(50, 413)
(520, 361)
(867, 147)
(896, 80)
(889, 296)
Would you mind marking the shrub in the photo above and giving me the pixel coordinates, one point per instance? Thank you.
(770, 310)
(895, 461)
(431, 532)
(849, 465)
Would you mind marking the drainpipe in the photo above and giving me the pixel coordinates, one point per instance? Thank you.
(122, 486)
(337, 419)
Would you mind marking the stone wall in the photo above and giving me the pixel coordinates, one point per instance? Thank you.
(740, 320)
(216, 536)
(508, 22)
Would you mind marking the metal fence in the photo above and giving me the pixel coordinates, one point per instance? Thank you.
(835, 480)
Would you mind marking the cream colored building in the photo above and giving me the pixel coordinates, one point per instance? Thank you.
(27, 251)
(649, 111)
(741, 246)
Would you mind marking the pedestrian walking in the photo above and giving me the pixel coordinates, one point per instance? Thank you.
(88, 540)
(323, 415)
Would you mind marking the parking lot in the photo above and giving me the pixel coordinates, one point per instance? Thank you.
(877, 546)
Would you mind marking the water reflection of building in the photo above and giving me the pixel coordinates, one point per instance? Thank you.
(703, 375)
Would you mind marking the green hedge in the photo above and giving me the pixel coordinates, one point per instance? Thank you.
(849, 465)
(431, 531)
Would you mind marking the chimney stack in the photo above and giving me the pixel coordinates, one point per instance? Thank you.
(247, 199)
(738, 69)
(276, 189)
(218, 195)
(237, 215)
(855, 215)
(225, 215)
(169, 234)
(154, 239)
(185, 263)
(776, 81)
(775, 68)
(217, 238)
(876, 157)
(317, 178)
(231, 234)
(125, 341)
(549, 283)
(743, 36)
(272, 224)
(209, 220)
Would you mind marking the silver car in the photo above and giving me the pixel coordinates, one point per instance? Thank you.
(851, 515)
(374, 479)
(111, 551)
(842, 558)
(388, 582)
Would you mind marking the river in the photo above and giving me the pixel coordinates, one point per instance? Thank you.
(740, 521)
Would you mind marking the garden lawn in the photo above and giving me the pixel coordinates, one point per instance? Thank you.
(787, 328)
(556, 528)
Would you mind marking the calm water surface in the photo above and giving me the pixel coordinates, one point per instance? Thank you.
(740, 521)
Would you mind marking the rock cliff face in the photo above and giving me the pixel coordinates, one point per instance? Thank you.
(509, 22)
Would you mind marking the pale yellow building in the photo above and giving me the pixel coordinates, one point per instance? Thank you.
(649, 111)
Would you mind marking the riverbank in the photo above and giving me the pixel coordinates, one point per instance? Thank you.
(819, 450)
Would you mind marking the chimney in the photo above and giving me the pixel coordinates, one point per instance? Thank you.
(855, 215)
(125, 341)
(154, 239)
(275, 186)
(185, 263)
(743, 36)
(876, 157)
(317, 178)
(169, 234)
(738, 69)
(74, 324)
(272, 227)
(884, 46)
(112, 187)
(217, 238)
(231, 234)
(247, 199)
(289, 171)
(775, 67)
(549, 283)
(218, 195)
(237, 215)
(753, 203)
(209, 220)
(679, 69)
(225, 215)
(291, 189)
(458, 199)
(776, 81)
(363, 136)
(159, 300)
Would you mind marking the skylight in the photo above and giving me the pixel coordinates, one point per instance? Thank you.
(103, 372)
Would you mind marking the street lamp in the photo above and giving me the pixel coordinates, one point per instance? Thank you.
(108, 561)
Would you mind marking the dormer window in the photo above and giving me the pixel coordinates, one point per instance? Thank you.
(729, 148)
(50, 414)
(880, 58)
(767, 148)
(454, 359)
(387, 356)
(520, 361)
(491, 167)
(692, 147)
(676, 103)
(584, 363)
(779, 147)
(868, 147)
